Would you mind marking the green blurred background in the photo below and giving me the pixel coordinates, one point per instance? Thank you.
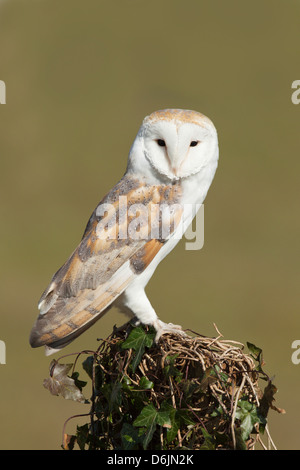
(80, 77)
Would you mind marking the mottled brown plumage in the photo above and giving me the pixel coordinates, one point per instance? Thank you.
(91, 278)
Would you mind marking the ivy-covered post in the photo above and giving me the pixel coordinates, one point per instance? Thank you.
(189, 392)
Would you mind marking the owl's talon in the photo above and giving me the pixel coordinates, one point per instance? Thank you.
(167, 328)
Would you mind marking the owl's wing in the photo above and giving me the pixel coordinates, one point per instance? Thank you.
(107, 259)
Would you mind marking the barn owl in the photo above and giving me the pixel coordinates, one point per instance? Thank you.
(171, 165)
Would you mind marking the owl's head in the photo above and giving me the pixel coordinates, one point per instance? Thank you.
(174, 144)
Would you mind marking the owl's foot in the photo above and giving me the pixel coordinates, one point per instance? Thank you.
(165, 328)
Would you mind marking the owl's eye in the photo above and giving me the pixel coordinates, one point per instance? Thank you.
(194, 143)
(161, 143)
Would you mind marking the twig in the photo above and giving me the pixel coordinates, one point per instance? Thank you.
(234, 411)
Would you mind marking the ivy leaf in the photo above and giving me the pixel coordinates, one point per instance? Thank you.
(267, 400)
(149, 418)
(88, 366)
(82, 436)
(173, 431)
(171, 370)
(116, 395)
(130, 437)
(240, 443)
(145, 384)
(79, 383)
(220, 374)
(138, 340)
(184, 417)
(255, 351)
(127, 384)
(217, 412)
(174, 419)
(148, 415)
(248, 414)
(209, 441)
(178, 417)
(256, 354)
(59, 383)
(112, 393)
(137, 337)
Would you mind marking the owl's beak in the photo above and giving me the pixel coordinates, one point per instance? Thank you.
(173, 159)
(174, 171)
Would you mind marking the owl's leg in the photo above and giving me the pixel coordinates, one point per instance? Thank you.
(137, 302)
